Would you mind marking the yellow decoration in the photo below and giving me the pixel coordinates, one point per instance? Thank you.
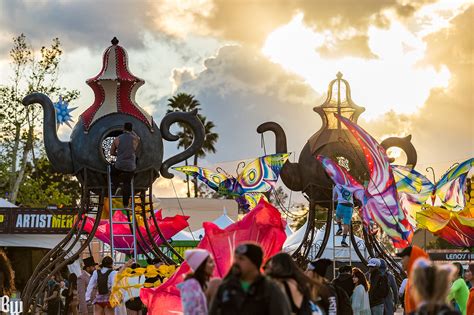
(121, 280)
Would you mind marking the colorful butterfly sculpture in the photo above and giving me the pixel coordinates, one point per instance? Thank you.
(415, 189)
(380, 199)
(454, 219)
(455, 227)
(257, 177)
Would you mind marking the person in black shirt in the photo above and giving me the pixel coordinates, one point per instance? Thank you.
(245, 290)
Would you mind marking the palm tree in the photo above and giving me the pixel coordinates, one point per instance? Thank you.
(208, 146)
(185, 103)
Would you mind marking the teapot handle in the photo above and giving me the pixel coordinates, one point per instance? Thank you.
(193, 122)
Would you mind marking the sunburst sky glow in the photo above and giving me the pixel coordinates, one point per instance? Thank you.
(409, 63)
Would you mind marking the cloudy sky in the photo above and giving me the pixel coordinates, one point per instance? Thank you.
(409, 63)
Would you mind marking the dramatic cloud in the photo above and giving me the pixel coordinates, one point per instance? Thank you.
(78, 23)
(443, 130)
(240, 89)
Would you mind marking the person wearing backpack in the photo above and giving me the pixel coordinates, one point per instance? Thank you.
(378, 287)
(102, 279)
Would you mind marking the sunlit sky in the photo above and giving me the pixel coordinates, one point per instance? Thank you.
(409, 63)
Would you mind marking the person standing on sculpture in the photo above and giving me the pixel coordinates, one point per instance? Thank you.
(345, 203)
(124, 147)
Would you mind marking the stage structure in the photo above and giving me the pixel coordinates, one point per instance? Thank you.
(335, 141)
(86, 157)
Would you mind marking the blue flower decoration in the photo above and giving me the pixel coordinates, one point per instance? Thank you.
(63, 112)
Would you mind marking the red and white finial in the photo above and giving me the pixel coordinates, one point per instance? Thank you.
(114, 89)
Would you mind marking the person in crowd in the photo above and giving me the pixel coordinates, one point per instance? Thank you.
(409, 255)
(245, 290)
(7, 275)
(193, 297)
(379, 288)
(124, 147)
(470, 300)
(82, 283)
(102, 279)
(459, 291)
(401, 292)
(360, 297)
(345, 204)
(62, 295)
(53, 300)
(332, 299)
(468, 277)
(344, 279)
(72, 300)
(131, 296)
(391, 301)
(293, 281)
(429, 288)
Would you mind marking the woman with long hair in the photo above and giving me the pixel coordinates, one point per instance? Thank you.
(7, 275)
(360, 296)
(72, 300)
(429, 289)
(293, 281)
(193, 289)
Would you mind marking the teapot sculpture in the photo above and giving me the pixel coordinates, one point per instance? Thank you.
(114, 90)
(333, 140)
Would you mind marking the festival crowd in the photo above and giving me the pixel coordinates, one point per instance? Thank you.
(279, 286)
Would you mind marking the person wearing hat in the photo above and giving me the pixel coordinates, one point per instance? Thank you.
(193, 297)
(245, 290)
(82, 283)
(409, 255)
(379, 288)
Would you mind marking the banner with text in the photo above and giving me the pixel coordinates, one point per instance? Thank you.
(36, 221)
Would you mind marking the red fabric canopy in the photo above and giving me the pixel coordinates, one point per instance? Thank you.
(262, 225)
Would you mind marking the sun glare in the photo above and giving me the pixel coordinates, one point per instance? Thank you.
(393, 80)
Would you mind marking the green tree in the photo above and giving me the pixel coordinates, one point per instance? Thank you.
(208, 146)
(42, 186)
(20, 125)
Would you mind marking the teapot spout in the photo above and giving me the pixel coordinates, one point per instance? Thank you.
(58, 152)
(191, 119)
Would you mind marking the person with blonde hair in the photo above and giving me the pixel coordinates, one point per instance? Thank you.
(430, 287)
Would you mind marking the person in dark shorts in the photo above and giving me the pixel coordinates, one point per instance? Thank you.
(124, 148)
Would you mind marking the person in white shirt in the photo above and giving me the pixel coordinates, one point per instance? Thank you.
(360, 297)
(103, 280)
(345, 203)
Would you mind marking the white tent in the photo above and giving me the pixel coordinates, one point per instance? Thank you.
(6, 204)
(183, 236)
(47, 241)
(222, 222)
(288, 230)
(296, 238)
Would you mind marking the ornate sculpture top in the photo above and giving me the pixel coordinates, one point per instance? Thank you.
(114, 89)
(338, 101)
